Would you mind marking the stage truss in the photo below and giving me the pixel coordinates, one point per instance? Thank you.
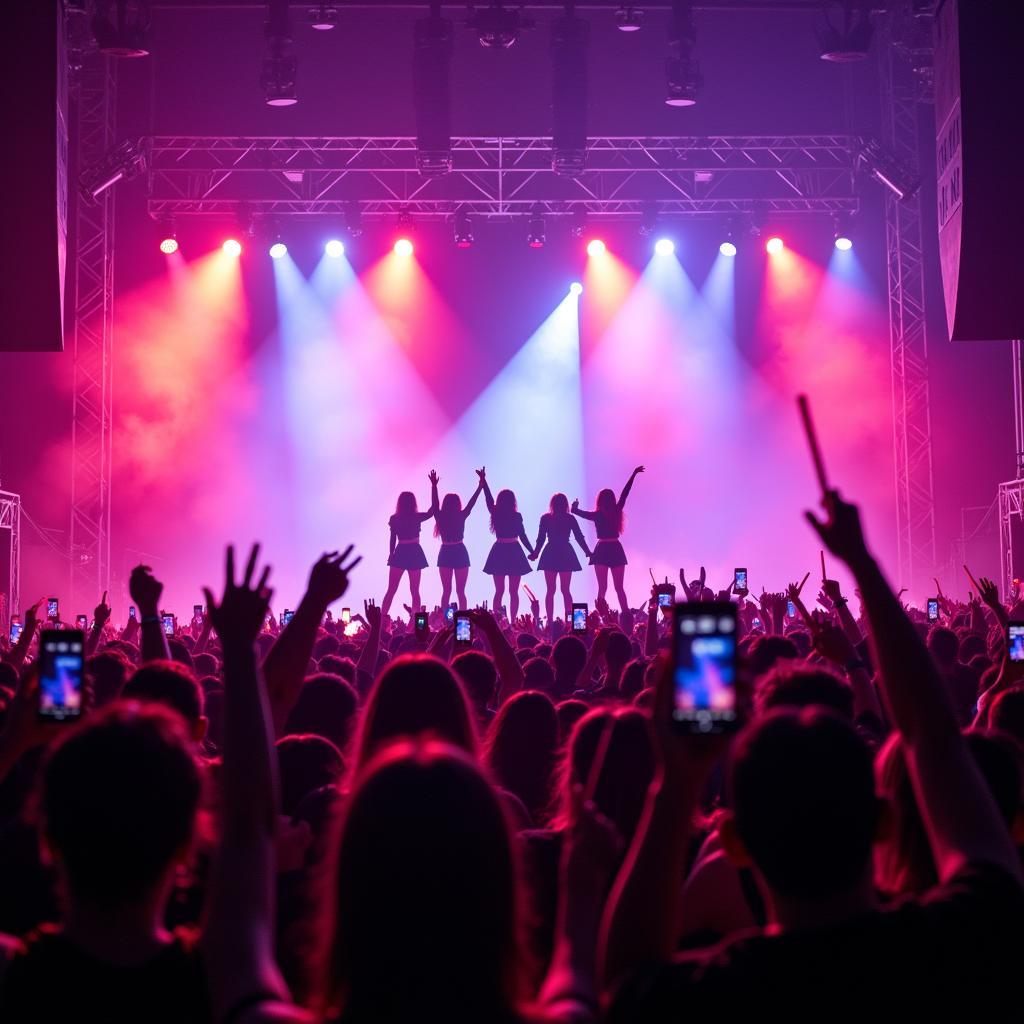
(501, 177)
(10, 519)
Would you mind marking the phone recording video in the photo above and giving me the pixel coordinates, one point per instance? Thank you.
(52, 608)
(168, 623)
(346, 615)
(463, 628)
(449, 614)
(704, 667)
(131, 611)
(933, 609)
(197, 611)
(286, 616)
(16, 631)
(579, 618)
(60, 674)
(1015, 640)
(665, 599)
(791, 609)
(421, 623)
(81, 621)
(739, 581)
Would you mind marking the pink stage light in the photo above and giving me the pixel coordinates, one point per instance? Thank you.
(232, 247)
(774, 245)
(168, 246)
(595, 247)
(403, 247)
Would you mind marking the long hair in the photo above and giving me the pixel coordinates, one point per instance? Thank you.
(609, 505)
(559, 504)
(427, 895)
(505, 506)
(406, 504)
(451, 506)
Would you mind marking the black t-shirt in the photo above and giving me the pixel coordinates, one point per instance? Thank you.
(963, 941)
(52, 980)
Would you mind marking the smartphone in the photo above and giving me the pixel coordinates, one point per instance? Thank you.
(168, 622)
(52, 608)
(933, 609)
(704, 667)
(131, 611)
(579, 618)
(449, 614)
(346, 615)
(286, 616)
(81, 622)
(420, 620)
(463, 628)
(197, 611)
(61, 658)
(791, 609)
(739, 581)
(16, 630)
(1015, 640)
(666, 599)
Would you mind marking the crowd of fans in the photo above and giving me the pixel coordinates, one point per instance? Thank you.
(372, 824)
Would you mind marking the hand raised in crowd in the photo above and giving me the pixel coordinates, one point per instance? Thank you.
(145, 590)
(329, 577)
(371, 612)
(101, 613)
(32, 617)
(240, 615)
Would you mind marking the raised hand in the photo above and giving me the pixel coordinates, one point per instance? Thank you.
(372, 613)
(989, 592)
(145, 590)
(101, 613)
(833, 644)
(328, 579)
(482, 473)
(433, 477)
(841, 532)
(639, 469)
(32, 617)
(794, 590)
(575, 506)
(240, 615)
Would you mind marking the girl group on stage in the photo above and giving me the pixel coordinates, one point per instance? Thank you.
(507, 560)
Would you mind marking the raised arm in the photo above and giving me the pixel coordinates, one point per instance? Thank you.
(145, 590)
(957, 808)
(581, 512)
(435, 502)
(629, 485)
(238, 933)
(101, 615)
(17, 654)
(510, 671)
(285, 665)
(366, 667)
(488, 497)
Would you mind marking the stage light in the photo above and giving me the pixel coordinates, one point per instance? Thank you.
(280, 65)
(463, 230)
(850, 43)
(125, 161)
(169, 245)
(887, 170)
(120, 28)
(844, 244)
(535, 237)
(232, 247)
(575, 288)
(727, 248)
(595, 247)
(682, 70)
(629, 19)
(403, 247)
(335, 249)
(278, 250)
(496, 27)
(664, 247)
(774, 245)
(323, 17)
(570, 40)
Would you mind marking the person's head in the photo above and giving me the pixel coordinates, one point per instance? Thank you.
(1006, 713)
(576, 760)
(205, 664)
(559, 504)
(335, 665)
(451, 507)
(569, 713)
(632, 681)
(538, 674)
(568, 657)
(172, 684)
(522, 745)
(325, 646)
(944, 646)
(326, 706)
(526, 642)
(118, 797)
(108, 671)
(619, 651)
(180, 653)
(505, 506)
(426, 904)
(608, 505)
(971, 645)
(479, 677)
(406, 504)
(796, 685)
(803, 805)
(415, 694)
(765, 651)
(306, 762)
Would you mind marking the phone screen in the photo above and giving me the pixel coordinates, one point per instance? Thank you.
(463, 629)
(1015, 636)
(131, 611)
(60, 675)
(740, 580)
(449, 614)
(16, 628)
(197, 611)
(933, 609)
(168, 621)
(52, 608)
(421, 622)
(704, 666)
(665, 600)
(579, 618)
(286, 616)
(791, 609)
(81, 621)
(346, 615)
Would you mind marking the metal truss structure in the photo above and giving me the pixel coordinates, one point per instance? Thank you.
(502, 177)
(94, 91)
(904, 90)
(1011, 493)
(10, 519)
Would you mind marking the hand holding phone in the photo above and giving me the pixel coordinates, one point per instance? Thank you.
(933, 609)
(579, 618)
(167, 619)
(52, 608)
(739, 581)
(61, 672)
(463, 628)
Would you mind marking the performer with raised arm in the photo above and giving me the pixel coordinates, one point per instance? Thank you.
(405, 553)
(608, 520)
(506, 559)
(559, 559)
(450, 525)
